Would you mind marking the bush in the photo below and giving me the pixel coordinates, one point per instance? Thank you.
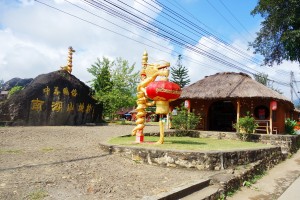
(185, 120)
(289, 126)
(246, 126)
(14, 90)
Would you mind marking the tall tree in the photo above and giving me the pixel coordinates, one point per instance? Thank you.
(179, 74)
(279, 36)
(114, 84)
(1, 84)
(102, 77)
(263, 79)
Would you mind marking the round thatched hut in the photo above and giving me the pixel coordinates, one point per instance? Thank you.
(223, 98)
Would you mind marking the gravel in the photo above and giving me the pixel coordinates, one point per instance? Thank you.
(65, 162)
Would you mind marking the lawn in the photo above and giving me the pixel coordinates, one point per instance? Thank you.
(187, 143)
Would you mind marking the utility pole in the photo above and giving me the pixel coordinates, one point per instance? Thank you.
(291, 84)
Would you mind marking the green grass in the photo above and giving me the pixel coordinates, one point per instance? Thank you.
(187, 143)
(47, 149)
(37, 195)
(10, 151)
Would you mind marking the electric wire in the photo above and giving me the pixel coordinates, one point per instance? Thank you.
(179, 42)
(236, 19)
(217, 38)
(225, 19)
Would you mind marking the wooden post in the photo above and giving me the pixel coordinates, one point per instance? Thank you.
(271, 120)
(168, 121)
(238, 105)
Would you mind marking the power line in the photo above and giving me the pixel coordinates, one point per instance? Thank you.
(217, 38)
(189, 47)
(236, 19)
(225, 18)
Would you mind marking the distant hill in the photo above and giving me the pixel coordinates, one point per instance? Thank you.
(16, 82)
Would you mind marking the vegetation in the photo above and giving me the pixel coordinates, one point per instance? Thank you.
(114, 84)
(245, 126)
(47, 149)
(10, 151)
(263, 79)
(185, 120)
(254, 179)
(179, 74)
(289, 126)
(37, 195)
(279, 37)
(187, 143)
(1, 84)
(14, 90)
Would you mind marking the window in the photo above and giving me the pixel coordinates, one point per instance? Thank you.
(261, 112)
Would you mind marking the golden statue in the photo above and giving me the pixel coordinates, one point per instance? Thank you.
(148, 74)
(68, 67)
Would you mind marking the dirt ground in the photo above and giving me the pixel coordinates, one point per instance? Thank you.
(66, 163)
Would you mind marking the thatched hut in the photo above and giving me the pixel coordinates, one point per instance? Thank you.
(223, 98)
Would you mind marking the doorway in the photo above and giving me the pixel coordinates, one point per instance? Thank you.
(221, 115)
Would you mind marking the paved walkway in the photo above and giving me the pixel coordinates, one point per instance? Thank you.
(292, 192)
(281, 182)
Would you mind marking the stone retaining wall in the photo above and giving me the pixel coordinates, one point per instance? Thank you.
(206, 160)
(288, 143)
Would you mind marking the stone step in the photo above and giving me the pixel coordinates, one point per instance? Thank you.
(182, 191)
(209, 193)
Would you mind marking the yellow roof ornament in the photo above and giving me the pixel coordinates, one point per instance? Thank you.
(69, 66)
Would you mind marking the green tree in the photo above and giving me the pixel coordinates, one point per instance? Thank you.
(102, 76)
(179, 74)
(263, 79)
(114, 84)
(279, 36)
(1, 84)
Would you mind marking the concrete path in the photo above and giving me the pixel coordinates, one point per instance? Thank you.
(281, 182)
(293, 192)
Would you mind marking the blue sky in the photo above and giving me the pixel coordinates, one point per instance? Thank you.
(34, 38)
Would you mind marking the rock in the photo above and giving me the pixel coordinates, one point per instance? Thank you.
(56, 98)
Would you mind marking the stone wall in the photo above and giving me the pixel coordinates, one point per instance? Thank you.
(206, 160)
(288, 143)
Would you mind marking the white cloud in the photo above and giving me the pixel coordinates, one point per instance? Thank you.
(34, 39)
(200, 66)
(38, 43)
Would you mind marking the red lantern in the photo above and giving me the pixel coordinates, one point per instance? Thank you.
(273, 105)
(163, 92)
(187, 104)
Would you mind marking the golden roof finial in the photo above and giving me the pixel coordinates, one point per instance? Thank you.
(145, 58)
(68, 68)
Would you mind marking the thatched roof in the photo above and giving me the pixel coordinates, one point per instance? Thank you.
(229, 85)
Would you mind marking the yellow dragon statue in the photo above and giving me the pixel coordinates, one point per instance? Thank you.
(148, 74)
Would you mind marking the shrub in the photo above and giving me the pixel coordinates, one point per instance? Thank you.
(185, 120)
(14, 90)
(289, 126)
(245, 126)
